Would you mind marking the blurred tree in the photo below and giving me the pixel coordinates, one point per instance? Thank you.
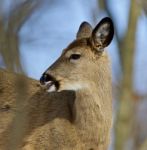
(124, 124)
(144, 5)
(10, 26)
(124, 130)
(143, 146)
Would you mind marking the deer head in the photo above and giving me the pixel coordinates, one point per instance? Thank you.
(78, 65)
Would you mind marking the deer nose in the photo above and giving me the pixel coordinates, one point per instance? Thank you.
(45, 78)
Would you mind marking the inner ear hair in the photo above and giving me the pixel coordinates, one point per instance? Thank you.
(102, 34)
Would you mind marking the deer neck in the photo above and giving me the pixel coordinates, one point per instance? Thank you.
(87, 110)
(92, 113)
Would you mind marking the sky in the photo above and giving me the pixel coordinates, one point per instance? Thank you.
(51, 28)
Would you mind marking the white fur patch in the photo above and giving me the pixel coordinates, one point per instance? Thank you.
(52, 88)
(46, 83)
(74, 87)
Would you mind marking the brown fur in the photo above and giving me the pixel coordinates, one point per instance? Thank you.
(70, 119)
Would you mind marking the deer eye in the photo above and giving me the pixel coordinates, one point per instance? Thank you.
(75, 56)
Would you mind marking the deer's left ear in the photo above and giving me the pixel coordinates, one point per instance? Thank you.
(102, 34)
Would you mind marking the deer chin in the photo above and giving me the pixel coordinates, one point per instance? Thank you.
(71, 87)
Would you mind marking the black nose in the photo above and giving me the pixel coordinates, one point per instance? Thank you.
(45, 78)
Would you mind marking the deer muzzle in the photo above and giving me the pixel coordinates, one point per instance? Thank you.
(49, 83)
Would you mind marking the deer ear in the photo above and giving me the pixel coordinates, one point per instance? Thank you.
(84, 31)
(102, 34)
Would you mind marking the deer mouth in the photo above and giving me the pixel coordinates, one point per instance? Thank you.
(49, 83)
(52, 86)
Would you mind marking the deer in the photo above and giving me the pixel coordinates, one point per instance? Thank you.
(73, 108)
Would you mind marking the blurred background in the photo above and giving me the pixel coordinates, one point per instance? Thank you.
(33, 34)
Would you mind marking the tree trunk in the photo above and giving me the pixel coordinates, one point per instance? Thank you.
(125, 117)
(9, 29)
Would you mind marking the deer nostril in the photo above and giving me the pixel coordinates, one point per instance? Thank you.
(45, 78)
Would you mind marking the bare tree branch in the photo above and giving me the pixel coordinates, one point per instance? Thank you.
(21, 13)
(143, 4)
(9, 40)
(125, 116)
